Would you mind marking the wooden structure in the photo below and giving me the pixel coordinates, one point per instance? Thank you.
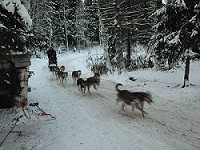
(14, 74)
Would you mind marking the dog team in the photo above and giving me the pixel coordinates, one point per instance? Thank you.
(125, 97)
(82, 84)
(60, 73)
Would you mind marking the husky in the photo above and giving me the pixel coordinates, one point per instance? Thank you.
(62, 76)
(65, 75)
(55, 70)
(134, 99)
(95, 80)
(81, 85)
(76, 75)
(62, 68)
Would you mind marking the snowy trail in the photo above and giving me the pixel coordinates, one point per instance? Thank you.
(94, 122)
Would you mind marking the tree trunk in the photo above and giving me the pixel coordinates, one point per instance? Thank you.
(128, 50)
(119, 57)
(187, 70)
(118, 38)
(65, 27)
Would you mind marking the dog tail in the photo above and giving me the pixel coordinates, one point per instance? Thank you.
(147, 97)
(118, 84)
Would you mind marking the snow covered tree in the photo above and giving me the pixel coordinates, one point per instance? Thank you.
(92, 21)
(123, 24)
(14, 26)
(111, 31)
(41, 25)
(179, 34)
(80, 26)
(178, 31)
(48, 24)
(57, 23)
(71, 17)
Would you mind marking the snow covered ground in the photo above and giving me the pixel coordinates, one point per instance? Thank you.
(94, 122)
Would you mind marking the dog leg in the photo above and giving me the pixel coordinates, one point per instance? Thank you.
(142, 107)
(81, 90)
(61, 81)
(133, 107)
(143, 112)
(65, 78)
(94, 86)
(74, 80)
(122, 107)
(88, 89)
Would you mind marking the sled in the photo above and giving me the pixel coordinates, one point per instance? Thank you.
(52, 62)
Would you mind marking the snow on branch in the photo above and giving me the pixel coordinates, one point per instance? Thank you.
(2, 26)
(12, 5)
(180, 3)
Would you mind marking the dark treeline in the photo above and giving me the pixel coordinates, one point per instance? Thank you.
(133, 33)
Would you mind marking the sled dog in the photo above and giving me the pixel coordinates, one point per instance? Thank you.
(76, 75)
(62, 76)
(62, 68)
(81, 85)
(55, 70)
(134, 99)
(95, 80)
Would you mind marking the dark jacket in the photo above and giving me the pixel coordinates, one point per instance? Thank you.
(51, 53)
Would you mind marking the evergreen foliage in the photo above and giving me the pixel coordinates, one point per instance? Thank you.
(92, 21)
(57, 23)
(178, 31)
(13, 31)
(47, 24)
(124, 24)
(119, 26)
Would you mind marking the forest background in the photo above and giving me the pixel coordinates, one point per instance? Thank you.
(133, 33)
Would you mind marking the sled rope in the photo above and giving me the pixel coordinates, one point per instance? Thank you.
(23, 104)
(43, 112)
(17, 119)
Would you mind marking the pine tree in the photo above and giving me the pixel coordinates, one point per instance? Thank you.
(14, 24)
(124, 24)
(80, 26)
(179, 34)
(71, 17)
(50, 26)
(41, 26)
(178, 31)
(92, 21)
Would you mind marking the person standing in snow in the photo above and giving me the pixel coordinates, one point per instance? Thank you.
(51, 52)
(52, 56)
